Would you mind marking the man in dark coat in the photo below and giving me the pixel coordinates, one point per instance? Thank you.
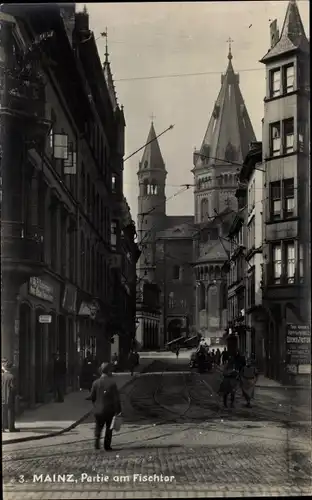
(8, 386)
(225, 356)
(106, 401)
(88, 372)
(59, 375)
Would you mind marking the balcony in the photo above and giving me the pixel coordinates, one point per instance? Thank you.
(21, 250)
(24, 98)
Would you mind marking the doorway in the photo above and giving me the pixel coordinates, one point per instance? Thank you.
(24, 353)
(39, 358)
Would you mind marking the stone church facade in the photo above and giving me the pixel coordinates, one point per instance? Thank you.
(184, 255)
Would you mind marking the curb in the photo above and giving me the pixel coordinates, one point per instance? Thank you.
(70, 427)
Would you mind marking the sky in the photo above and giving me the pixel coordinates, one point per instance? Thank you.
(149, 41)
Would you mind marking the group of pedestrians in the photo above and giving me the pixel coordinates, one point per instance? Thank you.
(238, 372)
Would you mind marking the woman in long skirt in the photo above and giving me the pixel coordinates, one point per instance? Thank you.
(229, 383)
(248, 379)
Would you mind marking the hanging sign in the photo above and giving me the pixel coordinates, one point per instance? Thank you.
(45, 318)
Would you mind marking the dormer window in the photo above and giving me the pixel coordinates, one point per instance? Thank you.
(275, 82)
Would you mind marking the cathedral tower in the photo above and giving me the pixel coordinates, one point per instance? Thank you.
(223, 150)
(151, 204)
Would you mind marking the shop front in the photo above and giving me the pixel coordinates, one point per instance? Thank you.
(67, 343)
(91, 329)
(37, 327)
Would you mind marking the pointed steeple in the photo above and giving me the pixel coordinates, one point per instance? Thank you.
(229, 130)
(152, 158)
(109, 76)
(292, 35)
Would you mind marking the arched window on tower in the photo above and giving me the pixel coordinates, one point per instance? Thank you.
(145, 187)
(204, 210)
(202, 296)
(153, 188)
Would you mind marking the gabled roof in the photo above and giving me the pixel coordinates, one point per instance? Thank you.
(214, 252)
(182, 231)
(229, 131)
(292, 35)
(152, 158)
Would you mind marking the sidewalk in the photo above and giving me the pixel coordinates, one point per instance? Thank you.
(268, 383)
(56, 418)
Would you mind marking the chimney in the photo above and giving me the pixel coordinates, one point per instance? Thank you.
(274, 33)
(82, 22)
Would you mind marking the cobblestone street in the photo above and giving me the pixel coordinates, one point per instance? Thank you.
(187, 444)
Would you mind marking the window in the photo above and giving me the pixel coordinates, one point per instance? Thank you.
(290, 262)
(277, 263)
(113, 183)
(171, 300)
(113, 234)
(204, 210)
(275, 136)
(251, 236)
(82, 261)
(301, 127)
(288, 138)
(251, 289)
(301, 263)
(275, 198)
(288, 198)
(83, 186)
(289, 78)
(176, 272)
(275, 83)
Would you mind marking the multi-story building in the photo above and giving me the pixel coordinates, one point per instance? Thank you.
(64, 135)
(237, 274)
(286, 214)
(250, 192)
(123, 321)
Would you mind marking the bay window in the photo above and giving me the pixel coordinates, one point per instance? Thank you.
(275, 136)
(275, 198)
(289, 78)
(275, 82)
(290, 262)
(288, 139)
(288, 198)
(277, 263)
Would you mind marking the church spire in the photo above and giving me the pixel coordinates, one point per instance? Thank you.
(230, 56)
(108, 75)
(152, 158)
(229, 130)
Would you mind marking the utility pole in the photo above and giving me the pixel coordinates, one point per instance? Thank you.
(165, 294)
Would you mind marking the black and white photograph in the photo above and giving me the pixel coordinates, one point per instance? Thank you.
(155, 249)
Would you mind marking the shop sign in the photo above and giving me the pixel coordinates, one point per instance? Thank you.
(298, 348)
(89, 309)
(41, 289)
(69, 298)
(45, 318)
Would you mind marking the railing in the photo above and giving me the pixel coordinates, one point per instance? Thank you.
(24, 95)
(19, 243)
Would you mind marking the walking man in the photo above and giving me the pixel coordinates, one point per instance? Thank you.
(8, 386)
(177, 352)
(248, 379)
(106, 401)
(224, 356)
(59, 373)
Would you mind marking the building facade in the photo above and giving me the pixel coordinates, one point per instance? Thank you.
(58, 207)
(286, 213)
